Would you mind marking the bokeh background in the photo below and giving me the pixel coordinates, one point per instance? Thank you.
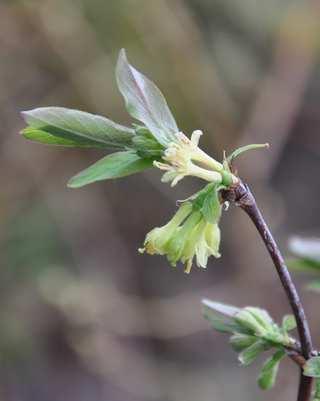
(83, 315)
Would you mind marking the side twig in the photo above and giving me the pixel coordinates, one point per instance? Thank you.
(241, 195)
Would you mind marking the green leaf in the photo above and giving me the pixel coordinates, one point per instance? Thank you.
(41, 136)
(145, 144)
(240, 342)
(248, 355)
(116, 165)
(207, 202)
(288, 323)
(145, 102)
(243, 149)
(221, 316)
(269, 371)
(248, 320)
(211, 208)
(312, 367)
(222, 309)
(261, 315)
(77, 126)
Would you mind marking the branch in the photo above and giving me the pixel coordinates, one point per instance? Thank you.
(241, 195)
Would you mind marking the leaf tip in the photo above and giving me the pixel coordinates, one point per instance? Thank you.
(72, 184)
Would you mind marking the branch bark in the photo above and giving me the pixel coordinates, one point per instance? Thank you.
(241, 195)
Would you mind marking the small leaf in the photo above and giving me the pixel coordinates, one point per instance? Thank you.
(243, 149)
(145, 144)
(306, 248)
(145, 102)
(249, 321)
(261, 315)
(211, 208)
(116, 165)
(247, 356)
(240, 342)
(207, 202)
(288, 323)
(221, 316)
(312, 367)
(269, 371)
(41, 136)
(223, 309)
(77, 126)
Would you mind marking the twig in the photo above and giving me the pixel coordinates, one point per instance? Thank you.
(241, 195)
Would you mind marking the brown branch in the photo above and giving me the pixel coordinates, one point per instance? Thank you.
(241, 195)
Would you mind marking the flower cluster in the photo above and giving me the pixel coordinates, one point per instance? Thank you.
(183, 157)
(189, 234)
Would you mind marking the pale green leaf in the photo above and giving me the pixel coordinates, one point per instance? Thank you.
(248, 320)
(220, 316)
(74, 124)
(288, 323)
(269, 371)
(312, 367)
(243, 149)
(261, 315)
(223, 309)
(145, 102)
(211, 208)
(248, 355)
(240, 342)
(145, 144)
(116, 165)
(41, 136)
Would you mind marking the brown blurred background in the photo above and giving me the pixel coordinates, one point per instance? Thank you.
(83, 316)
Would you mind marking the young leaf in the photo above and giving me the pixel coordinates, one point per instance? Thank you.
(76, 126)
(249, 321)
(288, 323)
(145, 102)
(211, 208)
(261, 315)
(240, 342)
(312, 367)
(116, 165)
(248, 355)
(41, 136)
(221, 316)
(269, 371)
(223, 309)
(145, 144)
(243, 149)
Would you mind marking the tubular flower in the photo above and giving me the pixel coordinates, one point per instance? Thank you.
(187, 235)
(179, 159)
(156, 240)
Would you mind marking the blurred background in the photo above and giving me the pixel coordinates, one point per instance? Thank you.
(83, 315)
